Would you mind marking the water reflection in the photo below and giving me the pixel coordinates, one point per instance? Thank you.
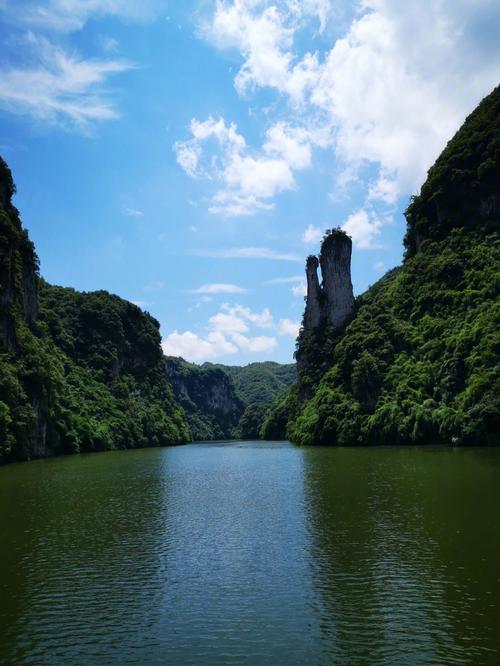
(405, 547)
(251, 554)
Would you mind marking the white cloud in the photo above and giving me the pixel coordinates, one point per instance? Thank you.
(390, 89)
(312, 234)
(133, 212)
(194, 348)
(250, 253)
(59, 85)
(300, 289)
(379, 265)
(71, 15)
(288, 327)
(363, 228)
(228, 333)
(219, 288)
(260, 343)
(286, 280)
(247, 180)
(225, 322)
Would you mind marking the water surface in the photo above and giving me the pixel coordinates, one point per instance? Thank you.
(252, 553)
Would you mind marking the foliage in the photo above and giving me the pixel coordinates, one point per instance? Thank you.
(226, 402)
(259, 382)
(419, 363)
(208, 397)
(462, 187)
(78, 371)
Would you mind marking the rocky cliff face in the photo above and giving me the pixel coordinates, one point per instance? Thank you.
(18, 267)
(313, 311)
(329, 306)
(335, 262)
(332, 303)
(209, 399)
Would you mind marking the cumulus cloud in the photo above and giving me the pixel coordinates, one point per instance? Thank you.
(228, 331)
(390, 89)
(363, 228)
(192, 347)
(288, 327)
(247, 180)
(58, 85)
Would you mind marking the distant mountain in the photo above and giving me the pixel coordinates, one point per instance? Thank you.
(417, 358)
(225, 402)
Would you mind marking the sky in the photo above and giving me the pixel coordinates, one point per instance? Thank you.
(188, 156)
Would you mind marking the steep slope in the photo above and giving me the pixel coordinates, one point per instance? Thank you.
(224, 402)
(78, 372)
(208, 397)
(258, 385)
(419, 362)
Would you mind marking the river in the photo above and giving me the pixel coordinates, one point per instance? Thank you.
(252, 553)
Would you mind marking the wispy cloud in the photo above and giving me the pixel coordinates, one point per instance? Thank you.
(71, 15)
(156, 285)
(285, 280)
(133, 212)
(312, 234)
(219, 288)
(59, 86)
(250, 253)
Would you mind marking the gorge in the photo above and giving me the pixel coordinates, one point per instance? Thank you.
(414, 360)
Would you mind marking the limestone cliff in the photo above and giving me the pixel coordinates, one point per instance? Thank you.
(208, 397)
(332, 303)
(329, 306)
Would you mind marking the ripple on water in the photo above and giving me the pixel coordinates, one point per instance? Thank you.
(250, 554)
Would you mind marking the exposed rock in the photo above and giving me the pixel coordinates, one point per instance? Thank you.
(333, 302)
(335, 261)
(208, 397)
(312, 313)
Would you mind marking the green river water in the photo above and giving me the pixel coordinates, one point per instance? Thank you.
(252, 553)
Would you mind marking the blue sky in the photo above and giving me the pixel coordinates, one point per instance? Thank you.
(188, 156)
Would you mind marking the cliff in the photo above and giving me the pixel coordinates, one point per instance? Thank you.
(78, 372)
(418, 360)
(329, 306)
(208, 397)
(224, 402)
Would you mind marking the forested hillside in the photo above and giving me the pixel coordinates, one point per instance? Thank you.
(225, 402)
(78, 371)
(419, 362)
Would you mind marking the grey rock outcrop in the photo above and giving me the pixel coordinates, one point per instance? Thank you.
(335, 262)
(312, 313)
(333, 302)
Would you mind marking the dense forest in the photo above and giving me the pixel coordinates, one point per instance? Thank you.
(78, 371)
(419, 361)
(227, 402)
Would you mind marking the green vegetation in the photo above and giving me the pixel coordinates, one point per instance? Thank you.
(208, 397)
(227, 402)
(259, 382)
(419, 364)
(78, 371)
